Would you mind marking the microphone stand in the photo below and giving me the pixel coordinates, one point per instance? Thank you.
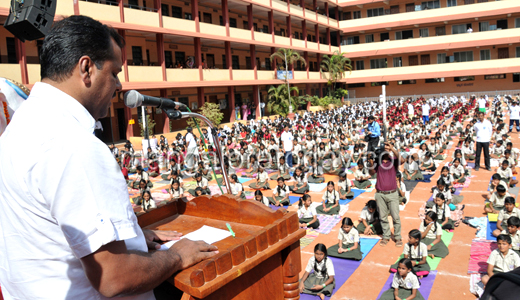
(176, 115)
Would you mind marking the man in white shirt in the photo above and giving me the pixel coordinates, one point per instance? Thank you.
(98, 129)
(482, 105)
(67, 230)
(192, 147)
(514, 116)
(484, 130)
(287, 139)
(410, 111)
(425, 111)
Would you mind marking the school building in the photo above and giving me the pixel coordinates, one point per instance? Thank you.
(197, 51)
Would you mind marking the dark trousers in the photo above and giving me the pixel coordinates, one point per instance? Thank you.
(288, 158)
(481, 146)
(373, 143)
(516, 122)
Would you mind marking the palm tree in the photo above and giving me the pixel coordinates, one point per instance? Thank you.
(279, 101)
(335, 65)
(289, 56)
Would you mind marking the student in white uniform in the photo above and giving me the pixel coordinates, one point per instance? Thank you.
(502, 259)
(262, 180)
(148, 203)
(176, 191)
(417, 252)
(323, 274)
(330, 204)
(259, 196)
(280, 193)
(348, 242)
(307, 213)
(236, 187)
(405, 284)
(369, 223)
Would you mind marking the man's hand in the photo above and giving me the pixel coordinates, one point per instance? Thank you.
(191, 252)
(154, 236)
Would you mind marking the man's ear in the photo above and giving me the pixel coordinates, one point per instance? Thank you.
(85, 69)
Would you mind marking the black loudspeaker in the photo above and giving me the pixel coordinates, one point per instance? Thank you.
(30, 19)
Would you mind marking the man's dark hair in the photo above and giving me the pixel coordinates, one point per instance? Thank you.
(72, 38)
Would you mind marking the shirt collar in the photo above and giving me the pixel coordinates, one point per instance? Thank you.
(63, 101)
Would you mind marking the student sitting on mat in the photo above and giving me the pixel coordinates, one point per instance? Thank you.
(321, 282)
(283, 170)
(416, 251)
(202, 183)
(401, 188)
(513, 230)
(448, 179)
(509, 210)
(431, 233)
(502, 259)
(348, 244)
(361, 176)
(262, 180)
(307, 214)
(236, 187)
(496, 203)
(141, 174)
(427, 163)
(280, 193)
(148, 202)
(259, 196)
(411, 170)
(176, 191)
(442, 188)
(315, 174)
(496, 180)
(443, 212)
(252, 167)
(356, 154)
(301, 185)
(344, 187)
(457, 171)
(506, 173)
(369, 222)
(330, 204)
(405, 284)
(334, 166)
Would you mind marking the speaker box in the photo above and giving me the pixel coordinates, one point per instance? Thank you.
(32, 20)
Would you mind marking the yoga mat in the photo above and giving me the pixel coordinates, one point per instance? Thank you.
(514, 191)
(491, 226)
(344, 201)
(457, 191)
(425, 289)
(243, 180)
(163, 182)
(327, 223)
(479, 254)
(427, 178)
(317, 187)
(308, 238)
(294, 199)
(356, 193)
(463, 185)
(410, 184)
(434, 263)
(367, 244)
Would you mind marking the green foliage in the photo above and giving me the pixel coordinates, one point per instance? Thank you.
(334, 67)
(292, 56)
(209, 110)
(279, 101)
(149, 123)
(314, 100)
(340, 93)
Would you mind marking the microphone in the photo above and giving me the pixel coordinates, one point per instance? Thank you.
(134, 99)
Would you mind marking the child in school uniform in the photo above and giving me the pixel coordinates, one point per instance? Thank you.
(236, 187)
(506, 173)
(457, 171)
(315, 174)
(201, 183)
(513, 230)
(334, 167)
(142, 188)
(369, 223)
(148, 203)
(259, 196)
(361, 176)
(405, 284)
(401, 188)
(330, 204)
(497, 200)
(308, 217)
(344, 187)
(443, 212)
(323, 275)
(301, 185)
(427, 163)
(176, 191)
(502, 259)
(411, 170)
(348, 244)
(417, 252)
(496, 180)
(283, 170)
(431, 233)
(252, 167)
(509, 210)
(280, 193)
(262, 179)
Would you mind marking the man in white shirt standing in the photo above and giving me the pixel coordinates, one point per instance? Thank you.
(67, 229)
(482, 105)
(410, 110)
(484, 130)
(425, 111)
(514, 116)
(192, 146)
(287, 139)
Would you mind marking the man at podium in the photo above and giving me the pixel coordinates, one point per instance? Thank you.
(67, 230)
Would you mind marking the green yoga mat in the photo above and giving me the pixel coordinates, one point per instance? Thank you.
(434, 262)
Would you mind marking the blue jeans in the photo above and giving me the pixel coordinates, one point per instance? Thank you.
(425, 119)
(288, 158)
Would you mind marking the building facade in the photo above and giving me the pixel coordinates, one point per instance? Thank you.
(197, 51)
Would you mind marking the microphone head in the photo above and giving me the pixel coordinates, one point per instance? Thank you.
(133, 99)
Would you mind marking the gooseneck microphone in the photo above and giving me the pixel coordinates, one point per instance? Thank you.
(134, 99)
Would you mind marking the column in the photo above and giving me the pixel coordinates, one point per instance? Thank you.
(338, 37)
(289, 28)
(256, 100)
(252, 51)
(22, 60)
(166, 126)
(250, 21)
(328, 37)
(229, 65)
(306, 57)
(308, 92)
(120, 3)
(302, 5)
(291, 258)
(316, 29)
(304, 32)
(318, 57)
(160, 54)
(231, 103)
(195, 13)
(225, 15)
(273, 63)
(198, 59)
(327, 11)
(271, 23)
(157, 5)
(123, 54)
(129, 127)
(336, 13)
(76, 7)
(315, 8)
(200, 96)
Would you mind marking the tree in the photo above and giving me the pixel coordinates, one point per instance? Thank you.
(279, 102)
(335, 65)
(150, 124)
(209, 110)
(289, 57)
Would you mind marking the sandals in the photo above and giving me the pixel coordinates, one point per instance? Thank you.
(399, 243)
(383, 242)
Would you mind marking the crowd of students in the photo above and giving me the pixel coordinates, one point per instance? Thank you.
(331, 142)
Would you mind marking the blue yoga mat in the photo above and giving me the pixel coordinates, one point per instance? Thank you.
(367, 245)
(425, 289)
(356, 192)
(353, 164)
(427, 178)
(243, 180)
(491, 226)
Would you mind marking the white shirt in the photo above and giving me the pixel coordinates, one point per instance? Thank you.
(236, 188)
(481, 103)
(514, 112)
(410, 109)
(68, 200)
(304, 212)
(287, 139)
(319, 267)
(263, 177)
(432, 233)
(348, 238)
(503, 263)
(98, 125)
(410, 282)
(426, 109)
(190, 140)
(416, 252)
(330, 197)
(483, 130)
(366, 215)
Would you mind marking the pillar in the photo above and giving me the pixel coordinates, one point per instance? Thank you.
(160, 54)
(328, 37)
(318, 57)
(302, 5)
(336, 13)
(225, 15)
(304, 32)
(256, 100)
(200, 96)
(327, 10)
(120, 3)
(291, 258)
(231, 103)
(195, 13)
(250, 21)
(166, 126)
(157, 5)
(129, 127)
(273, 63)
(317, 30)
(252, 51)
(306, 57)
(320, 90)
(308, 92)
(124, 57)
(76, 7)
(315, 5)
(289, 29)
(271, 23)
(198, 59)
(228, 65)
(338, 37)
(22, 60)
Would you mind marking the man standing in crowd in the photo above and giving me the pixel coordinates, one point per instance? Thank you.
(514, 116)
(192, 146)
(482, 105)
(98, 129)
(484, 130)
(386, 167)
(374, 133)
(70, 230)
(287, 139)
(410, 110)
(425, 111)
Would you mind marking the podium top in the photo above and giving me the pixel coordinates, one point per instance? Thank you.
(260, 232)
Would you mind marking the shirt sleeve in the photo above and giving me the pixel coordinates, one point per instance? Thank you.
(395, 282)
(492, 258)
(310, 264)
(330, 267)
(415, 283)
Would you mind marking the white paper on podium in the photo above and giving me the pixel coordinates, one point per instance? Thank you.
(207, 234)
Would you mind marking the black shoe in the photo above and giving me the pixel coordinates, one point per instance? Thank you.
(463, 206)
(489, 169)
(476, 169)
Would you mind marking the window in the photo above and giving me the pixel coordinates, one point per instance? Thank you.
(369, 38)
(502, 24)
(235, 62)
(224, 62)
(398, 62)
(410, 7)
(385, 36)
(457, 29)
(168, 59)
(180, 57)
(441, 58)
(246, 25)
(352, 40)
(360, 65)
(430, 4)
(355, 85)
(165, 10)
(356, 14)
(265, 29)
(233, 22)
(517, 23)
(406, 82)
(451, 3)
(378, 63)
(440, 31)
(404, 35)
(133, 3)
(137, 55)
(188, 16)
(267, 63)
(374, 12)
(517, 51)
(394, 9)
(347, 15)
(494, 76)
(485, 54)
(380, 83)
(424, 32)
(516, 77)
(465, 78)
(463, 56)
(248, 63)
(432, 80)
(11, 51)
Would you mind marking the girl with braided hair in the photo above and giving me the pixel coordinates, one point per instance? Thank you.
(443, 212)
(321, 282)
(431, 233)
(280, 193)
(330, 201)
(416, 251)
(405, 284)
(348, 242)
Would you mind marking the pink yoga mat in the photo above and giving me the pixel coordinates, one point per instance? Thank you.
(479, 254)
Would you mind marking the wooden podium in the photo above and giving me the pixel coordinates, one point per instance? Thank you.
(262, 262)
